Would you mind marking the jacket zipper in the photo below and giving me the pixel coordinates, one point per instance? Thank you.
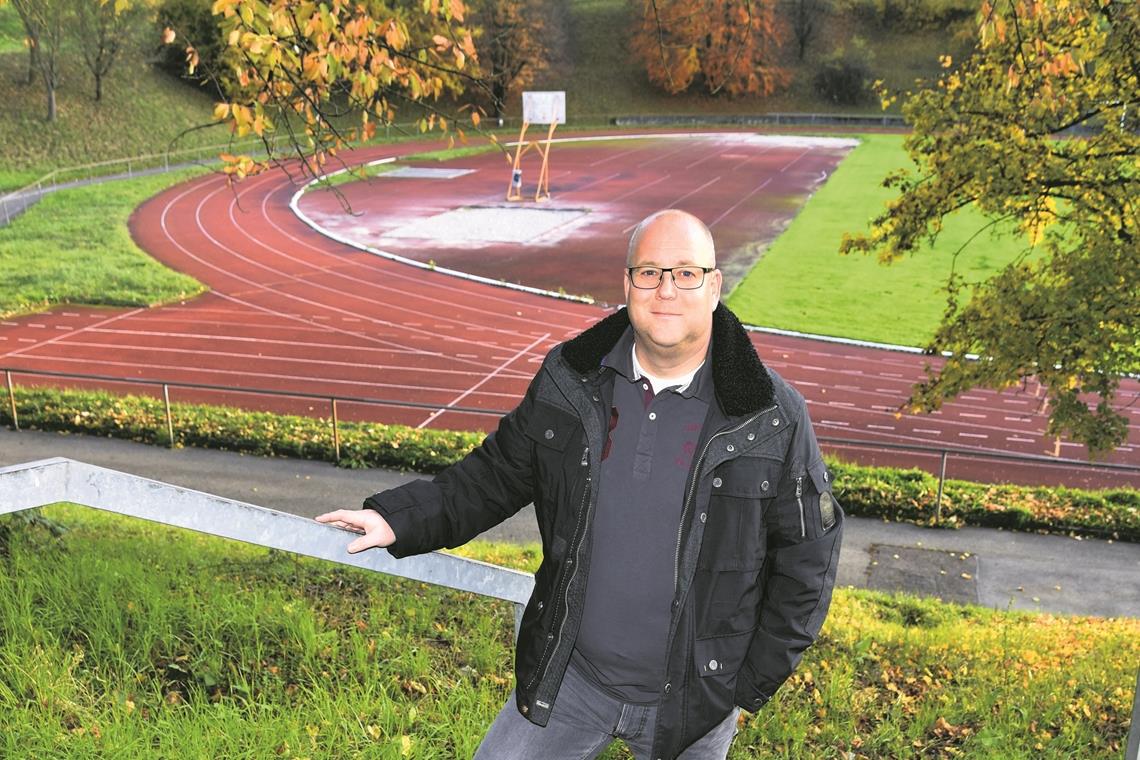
(552, 641)
(693, 488)
(800, 501)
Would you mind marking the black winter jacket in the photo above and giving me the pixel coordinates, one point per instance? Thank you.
(757, 547)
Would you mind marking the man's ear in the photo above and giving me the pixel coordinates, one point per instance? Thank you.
(718, 280)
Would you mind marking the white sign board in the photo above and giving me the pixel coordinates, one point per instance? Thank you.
(544, 107)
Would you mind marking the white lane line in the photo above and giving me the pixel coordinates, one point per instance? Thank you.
(60, 337)
(265, 358)
(37, 325)
(797, 158)
(246, 373)
(891, 374)
(891, 391)
(972, 415)
(469, 391)
(1022, 402)
(736, 205)
(972, 435)
(1018, 419)
(836, 423)
(840, 403)
(971, 398)
(318, 306)
(70, 313)
(1017, 439)
(928, 431)
(881, 427)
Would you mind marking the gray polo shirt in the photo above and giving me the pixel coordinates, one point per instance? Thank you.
(645, 465)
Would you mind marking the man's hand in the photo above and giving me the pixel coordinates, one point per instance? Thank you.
(375, 528)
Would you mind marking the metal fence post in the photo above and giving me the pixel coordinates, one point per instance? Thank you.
(1133, 751)
(12, 398)
(169, 418)
(941, 482)
(336, 431)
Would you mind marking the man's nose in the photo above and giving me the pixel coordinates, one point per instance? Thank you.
(667, 289)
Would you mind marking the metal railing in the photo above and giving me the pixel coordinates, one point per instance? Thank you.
(333, 401)
(48, 481)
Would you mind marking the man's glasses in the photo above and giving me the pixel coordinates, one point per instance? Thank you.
(684, 278)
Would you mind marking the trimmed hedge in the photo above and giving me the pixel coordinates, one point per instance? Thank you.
(889, 493)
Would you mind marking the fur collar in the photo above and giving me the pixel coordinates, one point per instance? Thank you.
(742, 383)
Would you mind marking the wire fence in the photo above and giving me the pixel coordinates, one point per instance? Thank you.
(332, 403)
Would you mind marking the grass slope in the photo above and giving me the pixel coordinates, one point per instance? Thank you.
(128, 639)
(142, 112)
(819, 291)
(74, 247)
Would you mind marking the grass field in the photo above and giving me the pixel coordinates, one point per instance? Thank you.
(127, 639)
(820, 291)
(11, 30)
(74, 247)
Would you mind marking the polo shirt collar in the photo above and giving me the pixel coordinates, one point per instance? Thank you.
(620, 359)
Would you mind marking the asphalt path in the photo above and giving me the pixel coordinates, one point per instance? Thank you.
(994, 568)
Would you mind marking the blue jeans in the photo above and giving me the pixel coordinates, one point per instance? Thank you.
(586, 720)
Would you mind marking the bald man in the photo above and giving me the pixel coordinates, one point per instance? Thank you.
(690, 537)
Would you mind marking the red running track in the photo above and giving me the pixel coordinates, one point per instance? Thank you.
(291, 310)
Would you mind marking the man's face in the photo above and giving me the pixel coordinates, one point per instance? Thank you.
(670, 320)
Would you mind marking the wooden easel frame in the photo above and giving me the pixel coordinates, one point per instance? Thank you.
(514, 187)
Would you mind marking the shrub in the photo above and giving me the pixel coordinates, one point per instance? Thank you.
(895, 494)
(844, 81)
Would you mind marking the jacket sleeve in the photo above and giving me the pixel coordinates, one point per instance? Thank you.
(487, 486)
(805, 529)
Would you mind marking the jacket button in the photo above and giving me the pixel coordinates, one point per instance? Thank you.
(548, 434)
(539, 606)
(751, 436)
(595, 397)
(764, 486)
(713, 664)
(717, 482)
(730, 448)
(668, 688)
(703, 516)
(775, 422)
(826, 477)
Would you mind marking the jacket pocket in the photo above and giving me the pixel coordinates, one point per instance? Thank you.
(735, 535)
(721, 655)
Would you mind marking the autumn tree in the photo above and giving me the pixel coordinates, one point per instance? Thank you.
(512, 44)
(103, 29)
(805, 18)
(725, 46)
(44, 24)
(1039, 130)
(320, 74)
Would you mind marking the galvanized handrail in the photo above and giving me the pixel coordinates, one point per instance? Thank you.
(25, 486)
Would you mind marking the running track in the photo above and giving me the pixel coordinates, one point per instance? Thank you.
(291, 310)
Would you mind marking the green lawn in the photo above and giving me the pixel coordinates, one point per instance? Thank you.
(74, 247)
(11, 30)
(127, 639)
(819, 291)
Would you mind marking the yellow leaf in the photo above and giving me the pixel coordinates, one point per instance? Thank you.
(405, 745)
(167, 36)
(475, 118)
(221, 111)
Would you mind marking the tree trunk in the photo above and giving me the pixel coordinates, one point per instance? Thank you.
(98, 87)
(33, 63)
(51, 101)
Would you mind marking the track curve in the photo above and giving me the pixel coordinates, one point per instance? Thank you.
(291, 310)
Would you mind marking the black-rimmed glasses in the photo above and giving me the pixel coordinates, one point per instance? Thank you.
(684, 278)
